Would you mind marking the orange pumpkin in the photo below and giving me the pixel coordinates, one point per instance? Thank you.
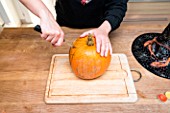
(85, 62)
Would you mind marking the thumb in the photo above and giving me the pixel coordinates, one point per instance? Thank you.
(86, 33)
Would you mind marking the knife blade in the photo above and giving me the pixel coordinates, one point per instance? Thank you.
(38, 29)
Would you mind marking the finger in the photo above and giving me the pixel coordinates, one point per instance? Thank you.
(54, 40)
(107, 49)
(110, 46)
(86, 33)
(60, 40)
(58, 34)
(103, 48)
(49, 38)
(44, 36)
(98, 45)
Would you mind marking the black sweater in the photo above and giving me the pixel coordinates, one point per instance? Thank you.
(72, 13)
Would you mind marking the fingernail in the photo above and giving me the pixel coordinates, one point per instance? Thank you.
(82, 35)
(98, 50)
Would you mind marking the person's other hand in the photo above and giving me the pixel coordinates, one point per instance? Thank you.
(103, 45)
(51, 31)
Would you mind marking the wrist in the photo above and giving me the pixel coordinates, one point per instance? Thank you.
(106, 26)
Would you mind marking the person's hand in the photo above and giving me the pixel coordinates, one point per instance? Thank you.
(103, 45)
(51, 31)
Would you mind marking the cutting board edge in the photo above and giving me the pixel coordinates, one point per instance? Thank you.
(131, 99)
(131, 90)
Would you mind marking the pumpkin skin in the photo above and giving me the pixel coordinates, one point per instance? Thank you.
(85, 62)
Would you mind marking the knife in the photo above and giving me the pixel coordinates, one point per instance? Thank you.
(38, 29)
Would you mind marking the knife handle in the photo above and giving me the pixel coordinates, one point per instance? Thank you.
(38, 28)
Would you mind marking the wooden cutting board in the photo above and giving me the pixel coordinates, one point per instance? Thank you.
(114, 86)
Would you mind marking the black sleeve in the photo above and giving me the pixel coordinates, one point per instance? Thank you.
(114, 12)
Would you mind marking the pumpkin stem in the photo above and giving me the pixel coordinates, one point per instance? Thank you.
(90, 41)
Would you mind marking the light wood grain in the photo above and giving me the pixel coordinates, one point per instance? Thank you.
(25, 63)
(115, 85)
(148, 8)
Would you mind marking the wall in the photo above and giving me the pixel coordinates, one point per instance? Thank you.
(15, 14)
(148, 11)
